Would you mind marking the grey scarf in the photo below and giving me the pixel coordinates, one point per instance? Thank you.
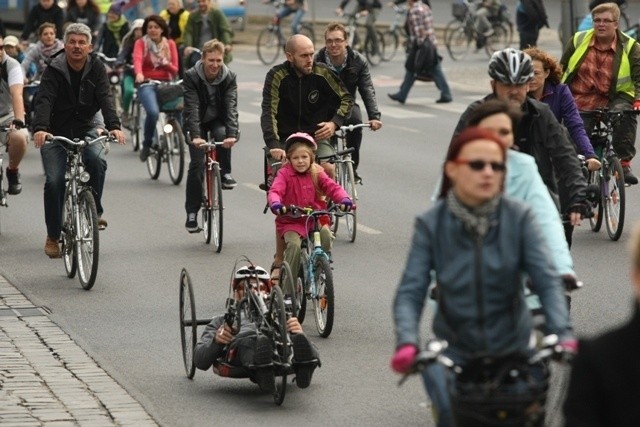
(476, 220)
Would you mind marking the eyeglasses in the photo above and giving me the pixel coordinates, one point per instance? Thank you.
(480, 165)
(599, 21)
(334, 41)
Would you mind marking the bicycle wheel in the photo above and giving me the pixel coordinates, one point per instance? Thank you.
(374, 54)
(349, 184)
(268, 45)
(216, 209)
(596, 209)
(69, 256)
(323, 301)
(307, 30)
(614, 198)
(175, 151)
(137, 121)
(289, 285)
(188, 323)
(391, 42)
(335, 220)
(457, 39)
(154, 161)
(277, 319)
(88, 246)
(500, 39)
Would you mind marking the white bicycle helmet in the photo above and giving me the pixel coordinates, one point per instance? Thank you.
(248, 271)
(511, 66)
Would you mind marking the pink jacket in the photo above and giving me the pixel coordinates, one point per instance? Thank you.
(293, 188)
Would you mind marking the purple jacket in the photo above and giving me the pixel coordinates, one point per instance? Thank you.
(563, 105)
(293, 188)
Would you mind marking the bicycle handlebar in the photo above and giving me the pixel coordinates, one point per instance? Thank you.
(79, 142)
(333, 157)
(351, 128)
(159, 82)
(106, 58)
(300, 212)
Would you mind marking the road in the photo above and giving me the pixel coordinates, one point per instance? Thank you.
(129, 321)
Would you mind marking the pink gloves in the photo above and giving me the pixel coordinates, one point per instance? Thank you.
(403, 358)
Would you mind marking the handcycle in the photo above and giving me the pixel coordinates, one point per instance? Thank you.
(461, 31)
(271, 40)
(498, 391)
(314, 280)
(169, 142)
(609, 202)
(266, 310)
(212, 207)
(395, 33)
(366, 44)
(80, 233)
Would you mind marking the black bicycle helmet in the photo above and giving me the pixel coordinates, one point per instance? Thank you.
(300, 137)
(511, 66)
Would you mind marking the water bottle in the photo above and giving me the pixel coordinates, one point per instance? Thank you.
(316, 239)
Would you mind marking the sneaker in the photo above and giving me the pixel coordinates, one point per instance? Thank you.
(15, 185)
(192, 223)
(263, 362)
(144, 153)
(629, 177)
(228, 182)
(51, 248)
(102, 223)
(395, 97)
(305, 359)
(357, 178)
(443, 100)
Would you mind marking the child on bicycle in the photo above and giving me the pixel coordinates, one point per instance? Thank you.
(302, 183)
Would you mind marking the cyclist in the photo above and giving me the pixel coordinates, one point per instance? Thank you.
(204, 24)
(296, 7)
(111, 32)
(353, 70)
(84, 12)
(487, 9)
(44, 11)
(602, 69)
(539, 133)
(302, 183)
(155, 57)
(249, 347)
(372, 9)
(481, 308)
(41, 52)
(12, 116)
(125, 59)
(73, 89)
(210, 106)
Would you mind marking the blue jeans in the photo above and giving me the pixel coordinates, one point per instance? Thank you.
(435, 378)
(54, 160)
(438, 78)
(149, 101)
(297, 17)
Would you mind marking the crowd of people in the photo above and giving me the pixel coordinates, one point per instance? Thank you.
(511, 168)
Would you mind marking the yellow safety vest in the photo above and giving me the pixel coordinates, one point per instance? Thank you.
(581, 42)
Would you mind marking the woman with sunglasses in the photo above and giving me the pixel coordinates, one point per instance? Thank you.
(478, 244)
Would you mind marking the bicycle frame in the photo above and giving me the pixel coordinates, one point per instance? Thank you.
(3, 143)
(313, 250)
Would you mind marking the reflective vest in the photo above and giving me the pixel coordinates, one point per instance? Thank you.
(581, 42)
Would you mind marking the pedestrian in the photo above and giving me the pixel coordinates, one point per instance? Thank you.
(420, 23)
(531, 16)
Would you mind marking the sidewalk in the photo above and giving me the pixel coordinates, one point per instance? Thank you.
(48, 380)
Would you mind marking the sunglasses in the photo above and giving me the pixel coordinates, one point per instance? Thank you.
(480, 165)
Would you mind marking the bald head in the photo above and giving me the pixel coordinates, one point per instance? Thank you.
(299, 51)
(298, 42)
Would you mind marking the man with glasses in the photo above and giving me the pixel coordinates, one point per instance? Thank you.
(353, 70)
(602, 69)
(12, 116)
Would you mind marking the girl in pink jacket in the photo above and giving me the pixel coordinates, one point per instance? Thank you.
(302, 183)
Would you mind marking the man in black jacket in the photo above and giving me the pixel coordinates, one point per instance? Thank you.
(74, 87)
(353, 70)
(210, 107)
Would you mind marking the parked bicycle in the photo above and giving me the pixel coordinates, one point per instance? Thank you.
(461, 33)
(364, 44)
(609, 202)
(395, 33)
(212, 207)
(271, 40)
(80, 235)
(168, 141)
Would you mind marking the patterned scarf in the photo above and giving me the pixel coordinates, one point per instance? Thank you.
(159, 53)
(475, 220)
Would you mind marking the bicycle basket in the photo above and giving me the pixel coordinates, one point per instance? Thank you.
(170, 98)
(459, 10)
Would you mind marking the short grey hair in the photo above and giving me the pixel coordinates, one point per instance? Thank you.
(79, 29)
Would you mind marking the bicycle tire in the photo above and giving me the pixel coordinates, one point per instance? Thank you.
(286, 283)
(268, 45)
(457, 40)
(614, 199)
(306, 29)
(374, 57)
(335, 220)
(88, 247)
(323, 301)
(175, 152)
(188, 323)
(69, 257)
(216, 209)
(500, 39)
(349, 185)
(391, 42)
(278, 323)
(154, 161)
(595, 221)
(138, 125)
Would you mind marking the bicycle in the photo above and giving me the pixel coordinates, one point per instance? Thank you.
(137, 117)
(268, 313)
(345, 175)
(3, 188)
(80, 234)
(169, 143)
(29, 92)
(461, 31)
(271, 40)
(314, 280)
(394, 33)
(365, 45)
(212, 207)
(115, 78)
(609, 202)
